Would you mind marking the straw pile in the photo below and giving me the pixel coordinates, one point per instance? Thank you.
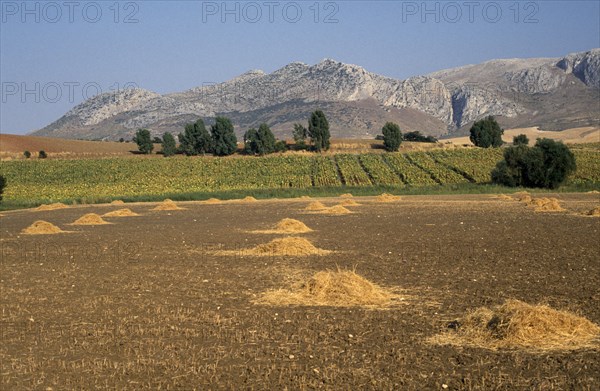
(120, 213)
(167, 205)
(516, 324)
(287, 226)
(316, 205)
(289, 246)
(56, 205)
(41, 227)
(90, 219)
(341, 288)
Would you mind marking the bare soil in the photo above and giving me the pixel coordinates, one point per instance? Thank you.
(146, 303)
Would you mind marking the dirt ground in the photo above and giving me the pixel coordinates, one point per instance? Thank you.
(146, 302)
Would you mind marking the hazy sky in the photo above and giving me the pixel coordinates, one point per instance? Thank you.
(53, 54)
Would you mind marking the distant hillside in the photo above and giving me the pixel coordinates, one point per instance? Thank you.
(554, 93)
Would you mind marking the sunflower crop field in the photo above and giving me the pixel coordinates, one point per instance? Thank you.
(52, 180)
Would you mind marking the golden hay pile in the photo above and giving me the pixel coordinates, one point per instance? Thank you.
(289, 246)
(287, 226)
(117, 202)
(334, 210)
(385, 197)
(41, 227)
(504, 197)
(545, 205)
(167, 205)
(90, 219)
(120, 213)
(594, 212)
(516, 324)
(347, 195)
(594, 192)
(341, 288)
(522, 196)
(56, 205)
(212, 201)
(349, 203)
(248, 199)
(316, 205)
(305, 197)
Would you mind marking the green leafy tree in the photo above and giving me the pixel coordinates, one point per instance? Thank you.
(27, 154)
(392, 137)
(157, 140)
(300, 133)
(223, 135)
(42, 154)
(2, 186)
(259, 142)
(487, 133)
(318, 131)
(251, 142)
(547, 165)
(144, 141)
(521, 139)
(195, 139)
(168, 145)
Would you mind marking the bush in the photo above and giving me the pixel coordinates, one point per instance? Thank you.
(223, 135)
(281, 146)
(392, 137)
(487, 133)
(2, 186)
(318, 130)
(143, 140)
(27, 154)
(521, 140)
(157, 140)
(195, 140)
(546, 165)
(168, 145)
(42, 154)
(416, 136)
(300, 133)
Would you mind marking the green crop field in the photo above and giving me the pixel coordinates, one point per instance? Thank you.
(37, 181)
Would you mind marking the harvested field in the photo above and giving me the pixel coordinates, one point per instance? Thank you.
(594, 212)
(151, 303)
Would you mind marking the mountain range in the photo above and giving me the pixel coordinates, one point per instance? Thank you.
(552, 93)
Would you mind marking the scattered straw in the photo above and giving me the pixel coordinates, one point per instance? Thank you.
(120, 213)
(57, 205)
(117, 202)
(505, 197)
(167, 205)
(594, 212)
(341, 288)
(334, 210)
(287, 226)
(385, 197)
(41, 227)
(90, 219)
(516, 324)
(347, 195)
(290, 246)
(305, 197)
(545, 205)
(522, 196)
(316, 205)
(349, 203)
